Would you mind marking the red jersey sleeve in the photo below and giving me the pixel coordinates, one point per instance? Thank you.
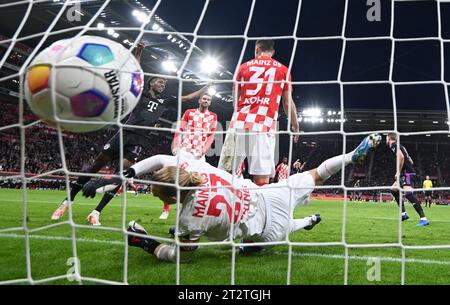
(240, 72)
(184, 119)
(278, 168)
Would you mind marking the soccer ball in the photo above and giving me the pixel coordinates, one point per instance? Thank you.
(94, 79)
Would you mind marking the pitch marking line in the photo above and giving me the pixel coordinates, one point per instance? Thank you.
(297, 254)
(129, 205)
(153, 206)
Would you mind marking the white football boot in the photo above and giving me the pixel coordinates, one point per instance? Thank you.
(62, 208)
(94, 218)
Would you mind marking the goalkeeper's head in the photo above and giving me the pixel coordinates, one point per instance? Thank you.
(172, 175)
(264, 47)
(391, 138)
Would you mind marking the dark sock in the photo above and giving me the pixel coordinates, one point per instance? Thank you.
(78, 185)
(416, 204)
(82, 180)
(106, 199)
(397, 199)
(149, 245)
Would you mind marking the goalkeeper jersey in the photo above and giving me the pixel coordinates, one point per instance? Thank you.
(209, 211)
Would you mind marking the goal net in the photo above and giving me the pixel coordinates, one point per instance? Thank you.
(27, 228)
(385, 197)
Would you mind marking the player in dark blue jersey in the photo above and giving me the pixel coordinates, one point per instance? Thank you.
(406, 174)
(147, 112)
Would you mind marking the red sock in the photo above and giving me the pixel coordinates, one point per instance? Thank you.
(166, 207)
(135, 188)
(119, 191)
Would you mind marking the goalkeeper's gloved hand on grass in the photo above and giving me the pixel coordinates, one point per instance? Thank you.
(90, 188)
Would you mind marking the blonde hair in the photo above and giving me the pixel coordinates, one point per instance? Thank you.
(392, 136)
(168, 174)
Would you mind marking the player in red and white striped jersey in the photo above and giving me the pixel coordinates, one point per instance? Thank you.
(263, 83)
(200, 123)
(241, 170)
(222, 207)
(282, 170)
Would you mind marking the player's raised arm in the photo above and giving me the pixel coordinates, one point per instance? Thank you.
(289, 106)
(197, 93)
(140, 46)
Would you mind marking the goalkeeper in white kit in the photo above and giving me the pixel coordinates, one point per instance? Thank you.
(216, 200)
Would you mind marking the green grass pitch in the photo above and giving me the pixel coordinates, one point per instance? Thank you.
(102, 253)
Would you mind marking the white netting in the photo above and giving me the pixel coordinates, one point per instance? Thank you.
(42, 37)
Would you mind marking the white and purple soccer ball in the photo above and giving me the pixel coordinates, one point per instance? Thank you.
(95, 80)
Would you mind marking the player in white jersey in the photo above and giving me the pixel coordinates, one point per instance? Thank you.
(200, 124)
(215, 200)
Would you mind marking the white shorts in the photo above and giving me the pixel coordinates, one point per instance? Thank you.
(259, 149)
(187, 155)
(280, 203)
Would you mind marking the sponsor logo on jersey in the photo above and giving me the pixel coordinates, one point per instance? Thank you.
(152, 105)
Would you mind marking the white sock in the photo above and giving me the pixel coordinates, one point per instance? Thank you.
(423, 218)
(404, 213)
(297, 224)
(331, 166)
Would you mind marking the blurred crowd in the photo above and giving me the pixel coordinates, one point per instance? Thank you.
(43, 154)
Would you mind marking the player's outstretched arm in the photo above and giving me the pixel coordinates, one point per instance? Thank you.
(197, 93)
(152, 164)
(145, 166)
(290, 109)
